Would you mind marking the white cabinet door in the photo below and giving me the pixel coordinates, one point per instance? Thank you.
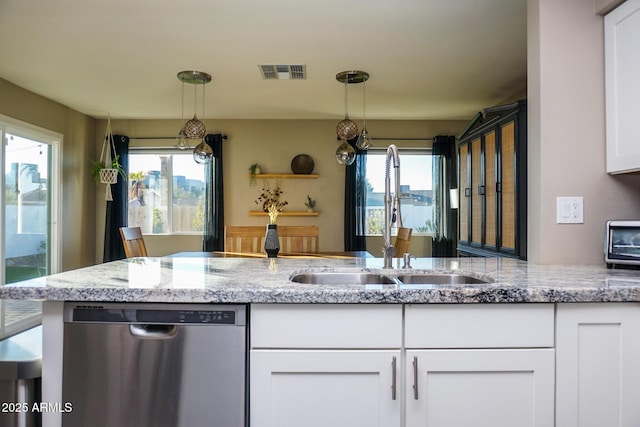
(622, 68)
(598, 365)
(322, 388)
(483, 387)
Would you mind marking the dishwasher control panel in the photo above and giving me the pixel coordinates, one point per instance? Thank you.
(182, 314)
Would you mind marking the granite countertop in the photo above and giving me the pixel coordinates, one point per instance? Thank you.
(260, 280)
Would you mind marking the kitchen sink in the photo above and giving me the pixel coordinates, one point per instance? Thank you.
(342, 278)
(439, 279)
(367, 278)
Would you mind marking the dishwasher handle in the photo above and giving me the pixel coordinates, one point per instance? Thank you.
(155, 332)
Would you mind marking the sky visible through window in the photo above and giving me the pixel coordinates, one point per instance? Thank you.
(415, 170)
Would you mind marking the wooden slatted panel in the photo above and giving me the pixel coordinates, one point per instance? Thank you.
(299, 238)
(463, 208)
(293, 238)
(490, 188)
(244, 238)
(476, 199)
(508, 186)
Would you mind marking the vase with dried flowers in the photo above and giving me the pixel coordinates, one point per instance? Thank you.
(272, 202)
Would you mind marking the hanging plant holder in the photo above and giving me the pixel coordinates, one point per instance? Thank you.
(106, 170)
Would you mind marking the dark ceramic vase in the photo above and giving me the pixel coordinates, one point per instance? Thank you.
(271, 242)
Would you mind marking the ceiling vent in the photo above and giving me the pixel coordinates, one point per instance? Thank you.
(283, 72)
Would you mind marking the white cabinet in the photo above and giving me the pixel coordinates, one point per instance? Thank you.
(320, 388)
(598, 365)
(480, 387)
(479, 365)
(325, 365)
(346, 365)
(622, 68)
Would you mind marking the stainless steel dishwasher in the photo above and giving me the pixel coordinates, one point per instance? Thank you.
(160, 365)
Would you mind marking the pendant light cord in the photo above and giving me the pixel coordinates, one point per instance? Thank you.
(346, 98)
(364, 105)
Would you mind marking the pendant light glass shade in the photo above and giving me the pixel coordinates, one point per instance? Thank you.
(182, 142)
(364, 140)
(194, 128)
(345, 154)
(347, 129)
(202, 153)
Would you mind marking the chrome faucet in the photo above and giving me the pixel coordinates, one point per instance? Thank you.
(391, 205)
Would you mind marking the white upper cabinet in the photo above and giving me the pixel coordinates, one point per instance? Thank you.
(622, 80)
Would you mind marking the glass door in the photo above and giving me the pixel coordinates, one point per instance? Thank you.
(29, 218)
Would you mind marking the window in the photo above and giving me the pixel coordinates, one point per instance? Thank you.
(166, 192)
(415, 189)
(28, 214)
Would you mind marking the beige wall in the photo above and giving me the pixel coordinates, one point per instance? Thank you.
(78, 214)
(272, 144)
(566, 150)
(567, 134)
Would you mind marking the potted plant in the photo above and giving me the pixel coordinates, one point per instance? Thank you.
(310, 204)
(254, 170)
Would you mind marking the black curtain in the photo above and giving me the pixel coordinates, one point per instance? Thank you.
(213, 234)
(116, 215)
(445, 220)
(355, 201)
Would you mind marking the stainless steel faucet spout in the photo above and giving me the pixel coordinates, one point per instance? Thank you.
(391, 204)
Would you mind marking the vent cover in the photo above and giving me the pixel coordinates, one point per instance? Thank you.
(283, 72)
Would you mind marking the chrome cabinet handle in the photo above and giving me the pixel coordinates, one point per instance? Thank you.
(415, 377)
(393, 378)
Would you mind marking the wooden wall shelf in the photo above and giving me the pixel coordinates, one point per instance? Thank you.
(285, 213)
(285, 176)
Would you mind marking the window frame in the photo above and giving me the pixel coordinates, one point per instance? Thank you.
(402, 151)
(54, 141)
(169, 151)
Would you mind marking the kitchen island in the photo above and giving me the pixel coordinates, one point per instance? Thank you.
(534, 346)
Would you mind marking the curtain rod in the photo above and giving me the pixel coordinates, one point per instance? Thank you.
(401, 139)
(167, 137)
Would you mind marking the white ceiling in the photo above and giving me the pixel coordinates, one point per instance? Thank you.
(427, 59)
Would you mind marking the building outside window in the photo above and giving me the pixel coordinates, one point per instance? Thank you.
(166, 192)
(415, 188)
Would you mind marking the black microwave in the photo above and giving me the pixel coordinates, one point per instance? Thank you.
(622, 243)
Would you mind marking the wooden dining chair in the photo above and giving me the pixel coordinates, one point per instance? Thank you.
(403, 239)
(299, 238)
(133, 242)
(293, 238)
(244, 238)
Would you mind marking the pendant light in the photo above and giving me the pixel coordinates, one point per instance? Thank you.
(347, 129)
(194, 128)
(364, 140)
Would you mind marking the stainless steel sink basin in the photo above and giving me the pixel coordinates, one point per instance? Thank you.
(439, 279)
(330, 278)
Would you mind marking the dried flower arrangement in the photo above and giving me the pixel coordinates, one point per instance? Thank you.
(271, 200)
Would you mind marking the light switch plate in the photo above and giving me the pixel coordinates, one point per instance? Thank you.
(570, 210)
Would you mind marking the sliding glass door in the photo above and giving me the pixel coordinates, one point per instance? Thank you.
(29, 216)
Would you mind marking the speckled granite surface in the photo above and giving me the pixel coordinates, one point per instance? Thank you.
(255, 280)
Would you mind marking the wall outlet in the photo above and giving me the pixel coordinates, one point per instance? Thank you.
(570, 210)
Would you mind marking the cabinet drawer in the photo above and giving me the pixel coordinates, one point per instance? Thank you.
(479, 325)
(326, 326)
